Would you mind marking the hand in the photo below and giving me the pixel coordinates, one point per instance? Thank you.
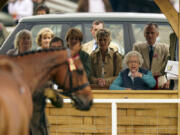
(162, 82)
(137, 74)
(167, 84)
(77, 46)
(101, 82)
(156, 74)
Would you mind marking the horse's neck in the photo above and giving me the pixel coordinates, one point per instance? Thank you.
(38, 68)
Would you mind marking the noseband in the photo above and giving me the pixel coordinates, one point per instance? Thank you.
(72, 68)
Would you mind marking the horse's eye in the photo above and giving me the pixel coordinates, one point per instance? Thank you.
(79, 71)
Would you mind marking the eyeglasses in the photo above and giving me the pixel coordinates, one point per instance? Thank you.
(133, 62)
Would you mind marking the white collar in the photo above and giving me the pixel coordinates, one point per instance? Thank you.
(130, 75)
(151, 45)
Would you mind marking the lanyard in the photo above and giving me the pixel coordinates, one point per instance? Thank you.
(102, 74)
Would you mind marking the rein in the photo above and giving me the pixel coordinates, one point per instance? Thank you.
(71, 90)
(72, 68)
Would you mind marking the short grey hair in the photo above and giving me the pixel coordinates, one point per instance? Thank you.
(131, 54)
(19, 36)
(151, 25)
(103, 33)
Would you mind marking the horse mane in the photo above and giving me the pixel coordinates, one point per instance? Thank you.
(38, 51)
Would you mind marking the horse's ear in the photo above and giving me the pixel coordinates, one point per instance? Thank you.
(76, 48)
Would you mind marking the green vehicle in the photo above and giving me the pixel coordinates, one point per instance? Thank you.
(126, 28)
(6, 20)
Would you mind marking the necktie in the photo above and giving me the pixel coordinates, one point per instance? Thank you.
(151, 54)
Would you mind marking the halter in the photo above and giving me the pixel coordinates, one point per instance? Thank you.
(72, 68)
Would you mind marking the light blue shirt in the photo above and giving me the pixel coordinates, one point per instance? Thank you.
(147, 78)
(94, 45)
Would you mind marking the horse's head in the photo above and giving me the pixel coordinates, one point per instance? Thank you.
(71, 77)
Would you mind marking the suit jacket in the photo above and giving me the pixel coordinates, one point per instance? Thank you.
(172, 47)
(83, 6)
(87, 47)
(160, 57)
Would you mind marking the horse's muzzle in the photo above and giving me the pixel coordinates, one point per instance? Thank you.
(86, 107)
(81, 104)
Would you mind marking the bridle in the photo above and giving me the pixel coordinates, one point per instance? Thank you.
(72, 68)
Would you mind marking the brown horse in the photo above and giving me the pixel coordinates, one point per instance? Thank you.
(15, 100)
(33, 70)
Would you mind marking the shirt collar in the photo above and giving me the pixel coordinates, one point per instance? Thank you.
(151, 45)
(129, 74)
(109, 52)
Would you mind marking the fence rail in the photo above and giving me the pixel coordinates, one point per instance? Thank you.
(114, 103)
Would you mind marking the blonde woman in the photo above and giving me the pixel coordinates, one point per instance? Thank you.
(22, 42)
(44, 37)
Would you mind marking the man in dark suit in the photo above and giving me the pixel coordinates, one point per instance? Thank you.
(155, 54)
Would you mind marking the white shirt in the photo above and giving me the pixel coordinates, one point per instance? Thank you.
(94, 45)
(21, 8)
(130, 75)
(96, 6)
(149, 46)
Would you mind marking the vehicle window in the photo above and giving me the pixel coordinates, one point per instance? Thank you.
(117, 36)
(58, 30)
(164, 32)
(88, 35)
(78, 26)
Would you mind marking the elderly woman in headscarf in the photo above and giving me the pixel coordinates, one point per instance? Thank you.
(134, 77)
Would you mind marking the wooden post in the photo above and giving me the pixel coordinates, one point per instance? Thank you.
(170, 13)
(178, 126)
(173, 17)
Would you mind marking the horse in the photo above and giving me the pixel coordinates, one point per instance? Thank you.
(15, 100)
(34, 69)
